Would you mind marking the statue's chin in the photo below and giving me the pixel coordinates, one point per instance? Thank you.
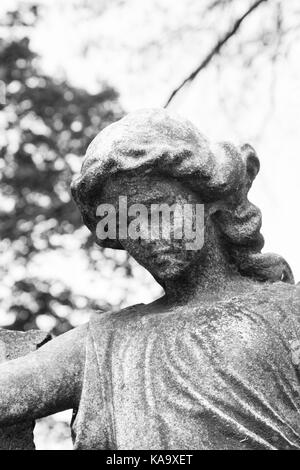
(167, 268)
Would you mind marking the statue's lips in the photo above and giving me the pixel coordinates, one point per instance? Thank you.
(167, 256)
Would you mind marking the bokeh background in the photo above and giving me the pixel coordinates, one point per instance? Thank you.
(68, 68)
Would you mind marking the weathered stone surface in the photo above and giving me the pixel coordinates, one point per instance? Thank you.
(211, 373)
(154, 144)
(14, 344)
(214, 363)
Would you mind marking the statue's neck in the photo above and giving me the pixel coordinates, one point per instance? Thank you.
(210, 277)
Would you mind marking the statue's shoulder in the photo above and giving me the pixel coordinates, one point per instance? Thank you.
(275, 295)
(281, 293)
(113, 317)
(276, 303)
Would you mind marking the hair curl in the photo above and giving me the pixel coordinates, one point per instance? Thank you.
(152, 141)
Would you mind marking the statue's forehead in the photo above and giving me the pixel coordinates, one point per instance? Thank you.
(147, 188)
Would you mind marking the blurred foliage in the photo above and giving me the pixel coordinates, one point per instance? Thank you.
(47, 125)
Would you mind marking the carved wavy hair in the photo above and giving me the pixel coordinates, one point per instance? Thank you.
(154, 142)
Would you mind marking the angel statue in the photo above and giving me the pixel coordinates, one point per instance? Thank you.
(212, 364)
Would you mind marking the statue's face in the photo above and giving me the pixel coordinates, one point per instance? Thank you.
(168, 253)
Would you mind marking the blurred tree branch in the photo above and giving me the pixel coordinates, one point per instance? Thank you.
(46, 124)
(216, 49)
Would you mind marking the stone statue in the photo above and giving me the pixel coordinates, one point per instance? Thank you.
(215, 362)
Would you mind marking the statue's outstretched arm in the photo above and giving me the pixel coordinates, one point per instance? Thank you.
(45, 381)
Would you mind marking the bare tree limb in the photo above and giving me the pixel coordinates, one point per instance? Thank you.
(219, 3)
(216, 49)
